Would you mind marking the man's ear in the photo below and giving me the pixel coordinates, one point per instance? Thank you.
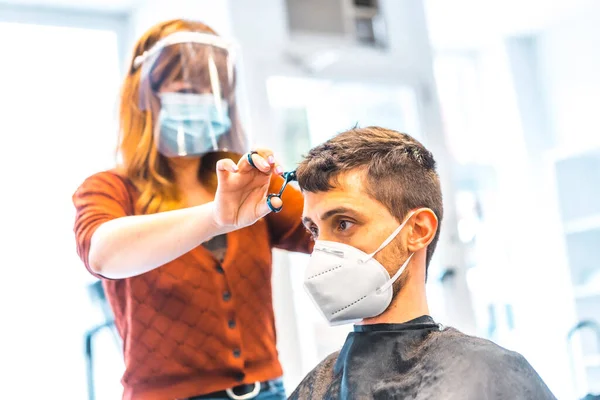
(424, 225)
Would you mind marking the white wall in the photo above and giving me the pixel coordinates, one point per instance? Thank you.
(214, 13)
(535, 96)
(542, 257)
(568, 51)
(570, 61)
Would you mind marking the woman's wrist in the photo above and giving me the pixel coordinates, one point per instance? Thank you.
(216, 227)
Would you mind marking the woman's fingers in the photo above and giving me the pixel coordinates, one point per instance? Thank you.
(274, 166)
(226, 165)
(268, 155)
(263, 208)
(278, 169)
(259, 163)
(276, 202)
(264, 161)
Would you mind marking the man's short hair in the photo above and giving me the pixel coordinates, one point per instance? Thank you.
(400, 171)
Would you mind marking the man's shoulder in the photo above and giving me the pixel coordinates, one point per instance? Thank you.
(478, 350)
(318, 381)
(505, 370)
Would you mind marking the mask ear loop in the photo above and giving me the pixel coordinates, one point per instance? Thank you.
(393, 279)
(289, 177)
(387, 241)
(390, 238)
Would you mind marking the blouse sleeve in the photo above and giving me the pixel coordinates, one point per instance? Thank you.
(100, 198)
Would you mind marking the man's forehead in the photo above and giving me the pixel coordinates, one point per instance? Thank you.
(348, 193)
(352, 182)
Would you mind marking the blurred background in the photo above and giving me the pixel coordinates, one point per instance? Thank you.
(505, 93)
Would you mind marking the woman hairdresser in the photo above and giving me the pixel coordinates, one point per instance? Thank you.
(181, 232)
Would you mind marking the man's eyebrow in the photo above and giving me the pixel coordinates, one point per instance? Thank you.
(330, 213)
(335, 211)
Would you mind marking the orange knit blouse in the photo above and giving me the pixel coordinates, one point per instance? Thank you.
(194, 325)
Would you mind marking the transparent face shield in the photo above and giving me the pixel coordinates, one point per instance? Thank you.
(187, 82)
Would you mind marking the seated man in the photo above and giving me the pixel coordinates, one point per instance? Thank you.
(373, 202)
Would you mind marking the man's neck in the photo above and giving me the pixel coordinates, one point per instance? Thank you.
(408, 304)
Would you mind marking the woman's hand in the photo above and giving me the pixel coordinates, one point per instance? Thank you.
(241, 194)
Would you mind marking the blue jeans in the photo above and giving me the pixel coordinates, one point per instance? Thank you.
(275, 392)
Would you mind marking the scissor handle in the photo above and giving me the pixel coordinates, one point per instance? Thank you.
(250, 161)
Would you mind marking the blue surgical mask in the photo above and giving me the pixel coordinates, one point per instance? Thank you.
(191, 124)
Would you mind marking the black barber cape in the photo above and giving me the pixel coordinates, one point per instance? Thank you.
(421, 360)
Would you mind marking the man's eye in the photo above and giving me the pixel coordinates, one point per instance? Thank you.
(344, 225)
(313, 231)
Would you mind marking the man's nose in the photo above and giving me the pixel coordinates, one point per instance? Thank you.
(327, 236)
